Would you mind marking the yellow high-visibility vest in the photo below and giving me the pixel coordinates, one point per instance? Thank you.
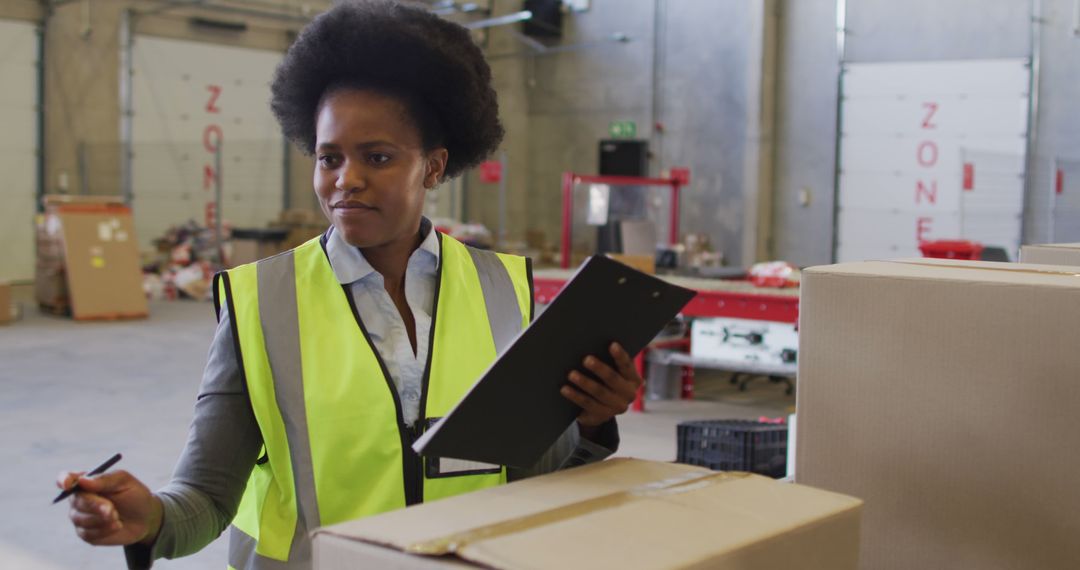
(336, 446)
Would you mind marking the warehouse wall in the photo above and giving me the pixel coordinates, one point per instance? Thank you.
(880, 30)
(805, 132)
(704, 94)
(1057, 126)
(557, 106)
(82, 84)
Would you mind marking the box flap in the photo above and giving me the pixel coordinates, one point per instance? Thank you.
(957, 270)
(523, 498)
(656, 504)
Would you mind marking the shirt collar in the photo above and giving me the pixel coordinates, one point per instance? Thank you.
(349, 264)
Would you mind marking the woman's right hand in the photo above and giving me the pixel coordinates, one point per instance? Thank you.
(112, 509)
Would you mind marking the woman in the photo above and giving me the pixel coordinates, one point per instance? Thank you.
(329, 360)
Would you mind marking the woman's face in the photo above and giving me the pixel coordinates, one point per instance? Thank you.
(371, 170)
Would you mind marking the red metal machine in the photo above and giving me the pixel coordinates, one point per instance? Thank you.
(680, 177)
(719, 299)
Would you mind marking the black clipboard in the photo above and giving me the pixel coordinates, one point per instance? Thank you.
(515, 412)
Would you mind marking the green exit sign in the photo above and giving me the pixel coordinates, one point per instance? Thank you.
(622, 129)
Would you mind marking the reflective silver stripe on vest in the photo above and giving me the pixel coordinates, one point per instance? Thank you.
(500, 297)
(242, 555)
(281, 333)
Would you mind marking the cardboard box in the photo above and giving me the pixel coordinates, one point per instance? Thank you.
(87, 259)
(6, 308)
(1051, 254)
(623, 513)
(102, 264)
(643, 263)
(945, 395)
(250, 245)
(301, 217)
(50, 281)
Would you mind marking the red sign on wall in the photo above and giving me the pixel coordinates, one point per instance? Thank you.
(969, 176)
(491, 171)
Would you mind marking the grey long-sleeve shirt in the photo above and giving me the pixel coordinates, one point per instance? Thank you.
(223, 444)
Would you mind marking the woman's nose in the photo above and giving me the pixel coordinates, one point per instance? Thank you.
(351, 178)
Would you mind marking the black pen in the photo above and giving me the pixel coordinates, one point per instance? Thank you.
(97, 471)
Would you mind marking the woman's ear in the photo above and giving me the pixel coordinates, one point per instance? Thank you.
(436, 166)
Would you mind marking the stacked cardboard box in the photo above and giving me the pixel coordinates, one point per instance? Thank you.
(6, 308)
(301, 226)
(620, 513)
(50, 280)
(251, 245)
(1052, 254)
(88, 263)
(945, 395)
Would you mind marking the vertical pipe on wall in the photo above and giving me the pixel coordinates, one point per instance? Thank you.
(1076, 18)
(760, 109)
(126, 111)
(218, 195)
(1030, 146)
(503, 172)
(40, 119)
(286, 175)
(841, 52)
(1052, 201)
(84, 185)
(656, 92)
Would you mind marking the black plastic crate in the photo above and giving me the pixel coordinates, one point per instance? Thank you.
(734, 445)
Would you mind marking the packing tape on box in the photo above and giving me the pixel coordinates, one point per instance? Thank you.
(666, 487)
(1009, 267)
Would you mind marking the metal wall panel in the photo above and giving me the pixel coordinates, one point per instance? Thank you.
(18, 147)
(915, 130)
(925, 30)
(806, 92)
(880, 31)
(188, 98)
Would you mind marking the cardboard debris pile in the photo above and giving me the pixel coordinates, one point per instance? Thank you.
(623, 513)
(184, 262)
(945, 395)
(87, 261)
(188, 255)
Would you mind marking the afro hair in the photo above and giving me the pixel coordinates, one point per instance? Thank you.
(431, 65)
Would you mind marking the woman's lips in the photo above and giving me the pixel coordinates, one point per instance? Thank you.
(352, 210)
(352, 206)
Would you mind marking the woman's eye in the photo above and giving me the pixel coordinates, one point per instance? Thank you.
(328, 160)
(378, 158)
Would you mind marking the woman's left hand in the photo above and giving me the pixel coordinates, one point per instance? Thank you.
(609, 393)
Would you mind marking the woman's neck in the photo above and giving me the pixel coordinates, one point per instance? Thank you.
(392, 259)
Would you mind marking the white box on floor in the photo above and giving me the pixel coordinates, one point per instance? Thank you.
(945, 394)
(624, 513)
(744, 340)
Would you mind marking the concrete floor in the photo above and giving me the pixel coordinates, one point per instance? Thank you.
(75, 393)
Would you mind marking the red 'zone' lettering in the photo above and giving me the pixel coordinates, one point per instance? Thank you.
(215, 92)
(922, 190)
(209, 177)
(211, 144)
(922, 227)
(924, 158)
(211, 214)
(931, 109)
